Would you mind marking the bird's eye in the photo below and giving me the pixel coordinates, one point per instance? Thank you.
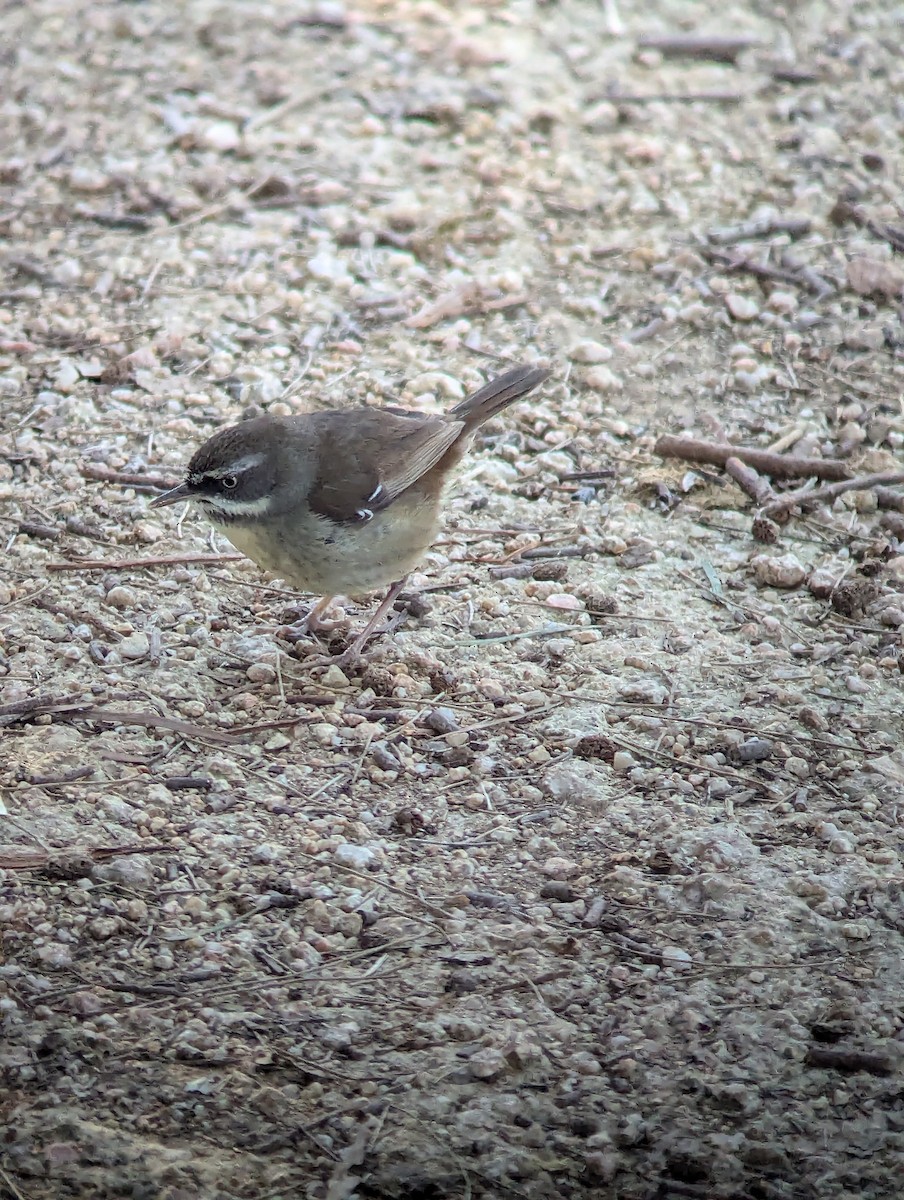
(229, 482)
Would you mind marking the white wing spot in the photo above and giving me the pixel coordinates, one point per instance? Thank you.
(364, 514)
(375, 494)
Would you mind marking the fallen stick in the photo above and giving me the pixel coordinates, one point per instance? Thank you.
(129, 478)
(777, 466)
(750, 481)
(170, 560)
(798, 277)
(715, 97)
(805, 498)
(758, 227)
(695, 45)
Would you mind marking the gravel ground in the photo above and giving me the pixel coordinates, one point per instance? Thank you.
(588, 883)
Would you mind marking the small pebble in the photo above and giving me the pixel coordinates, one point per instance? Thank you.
(623, 760)
(783, 571)
(441, 720)
(602, 379)
(590, 353)
(134, 646)
(121, 597)
(560, 868)
(752, 750)
(360, 858)
(742, 308)
(674, 956)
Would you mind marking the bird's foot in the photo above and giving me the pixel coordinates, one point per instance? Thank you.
(314, 622)
(351, 656)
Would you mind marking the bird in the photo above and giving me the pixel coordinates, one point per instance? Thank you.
(344, 501)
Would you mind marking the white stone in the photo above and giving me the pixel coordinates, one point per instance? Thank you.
(135, 645)
(602, 379)
(347, 854)
(742, 308)
(782, 571)
(590, 352)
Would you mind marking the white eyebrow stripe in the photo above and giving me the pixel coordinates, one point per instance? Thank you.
(235, 468)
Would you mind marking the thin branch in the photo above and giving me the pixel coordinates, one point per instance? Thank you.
(750, 481)
(777, 466)
(805, 498)
(169, 560)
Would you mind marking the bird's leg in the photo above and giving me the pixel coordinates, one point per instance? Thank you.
(311, 622)
(353, 653)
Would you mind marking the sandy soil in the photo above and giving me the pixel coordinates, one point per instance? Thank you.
(588, 884)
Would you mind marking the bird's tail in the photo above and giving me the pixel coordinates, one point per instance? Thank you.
(498, 394)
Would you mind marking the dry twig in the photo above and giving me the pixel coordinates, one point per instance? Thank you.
(750, 481)
(696, 45)
(167, 560)
(804, 497)
(128, 478)
(777, 466)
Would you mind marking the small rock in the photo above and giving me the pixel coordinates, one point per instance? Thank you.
(441, 720)
(219, 135)
(623, 760)
(784, 571)
(278, 741)
(134, 646)
(753, 749)
(821, 583)
(103, 928)
(66, 376)
(328, 268)
(487, 1064)
(334, 677)
(559, 868)
(325, 733)
(837, 841)
(260, 672)
(742, 308)
(643, 691)
(602, 379)
(558, 890)
(133, 871)
(892, 616)
(611, 543)
(439, 383)
(869, 276)
(268, 852)
(121, 597)
(147, 531)
(85, 179)
(822, 141)
(122, 811)
(360, 858)
(601, 117)
(674, 956)
(782, 302)
(590, 352)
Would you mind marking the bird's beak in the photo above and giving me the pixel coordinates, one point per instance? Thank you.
(173, 496)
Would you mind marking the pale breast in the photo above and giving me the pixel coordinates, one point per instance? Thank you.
(319, 556)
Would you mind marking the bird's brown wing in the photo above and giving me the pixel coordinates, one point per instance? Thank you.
(368, 459)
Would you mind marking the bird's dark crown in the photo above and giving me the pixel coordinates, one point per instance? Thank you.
(233, 474)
